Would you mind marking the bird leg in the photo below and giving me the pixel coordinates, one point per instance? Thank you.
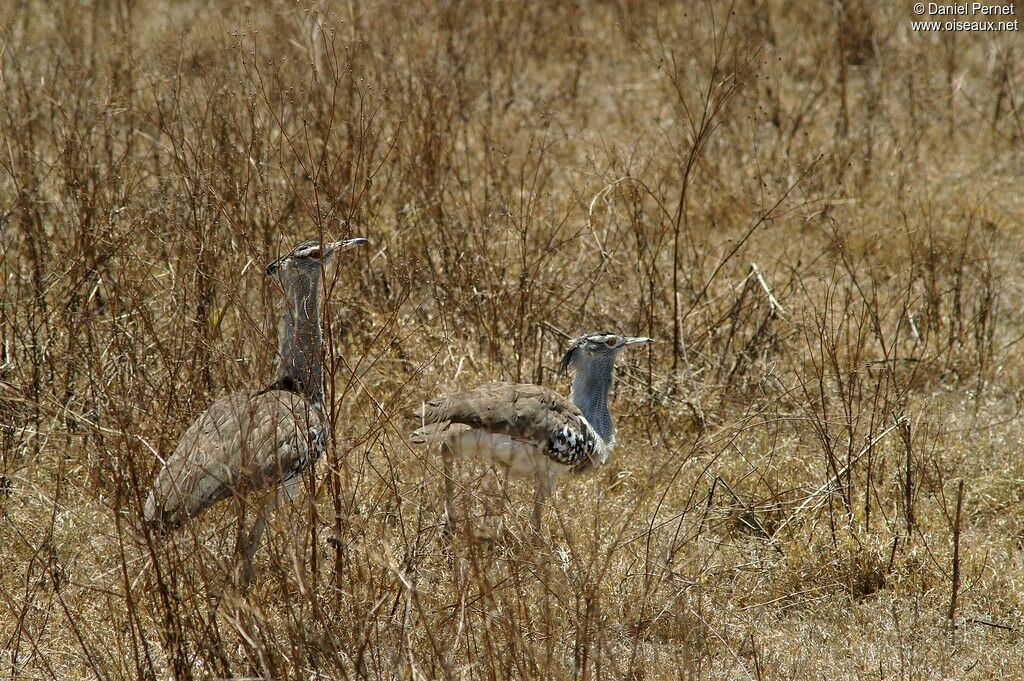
(448, 463)
(504, 488)
(541, 491)
(506, 472)
(249, 544)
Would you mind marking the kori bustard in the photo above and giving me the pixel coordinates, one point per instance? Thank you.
(257, 445)
(529, 429)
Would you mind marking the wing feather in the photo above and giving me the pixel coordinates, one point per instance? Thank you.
(523, 411)
(241, 443)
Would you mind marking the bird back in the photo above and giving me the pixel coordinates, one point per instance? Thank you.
(241, 443)
(524, 411)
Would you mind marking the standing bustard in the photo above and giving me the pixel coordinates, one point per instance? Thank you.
(530, 429)
(258, 442)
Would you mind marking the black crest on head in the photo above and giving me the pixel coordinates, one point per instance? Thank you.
(567, 358)
(302, 251)
(577, 346)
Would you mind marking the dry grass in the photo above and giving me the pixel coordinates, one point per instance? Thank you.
(783, 500)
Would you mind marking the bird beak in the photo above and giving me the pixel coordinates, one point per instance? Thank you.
(638, 340)
(335, 246)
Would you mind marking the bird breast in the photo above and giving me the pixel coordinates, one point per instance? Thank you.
(240, 443)
(522, 458)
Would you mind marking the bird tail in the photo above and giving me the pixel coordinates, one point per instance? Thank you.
(430, 433)
(145, 530)
(157, 521)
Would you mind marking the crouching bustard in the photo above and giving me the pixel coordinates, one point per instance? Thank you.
(258, 444)
(529, 429)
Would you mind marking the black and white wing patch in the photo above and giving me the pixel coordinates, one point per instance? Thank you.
(532, 414)
(576, 445)
(308, 449)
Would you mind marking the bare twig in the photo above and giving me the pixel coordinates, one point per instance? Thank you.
(955, 588)
(773, 302)
(818, 496)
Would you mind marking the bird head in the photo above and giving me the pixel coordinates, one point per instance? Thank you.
(597, 349)
(306, 261)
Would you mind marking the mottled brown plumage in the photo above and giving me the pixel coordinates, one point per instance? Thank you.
(529, 429)
(241, 443)
(258, 442)
(528, 413)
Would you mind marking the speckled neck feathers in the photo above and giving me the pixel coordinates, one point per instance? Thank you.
(300, 343)
(589, 392)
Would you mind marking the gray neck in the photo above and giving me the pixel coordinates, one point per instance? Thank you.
(300, 343)
(589, 392)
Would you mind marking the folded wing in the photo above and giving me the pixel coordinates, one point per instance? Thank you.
(242, 443)
(525, 412)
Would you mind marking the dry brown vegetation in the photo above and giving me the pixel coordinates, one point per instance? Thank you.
(818, 472)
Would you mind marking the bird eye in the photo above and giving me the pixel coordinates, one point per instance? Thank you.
(611, 342)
